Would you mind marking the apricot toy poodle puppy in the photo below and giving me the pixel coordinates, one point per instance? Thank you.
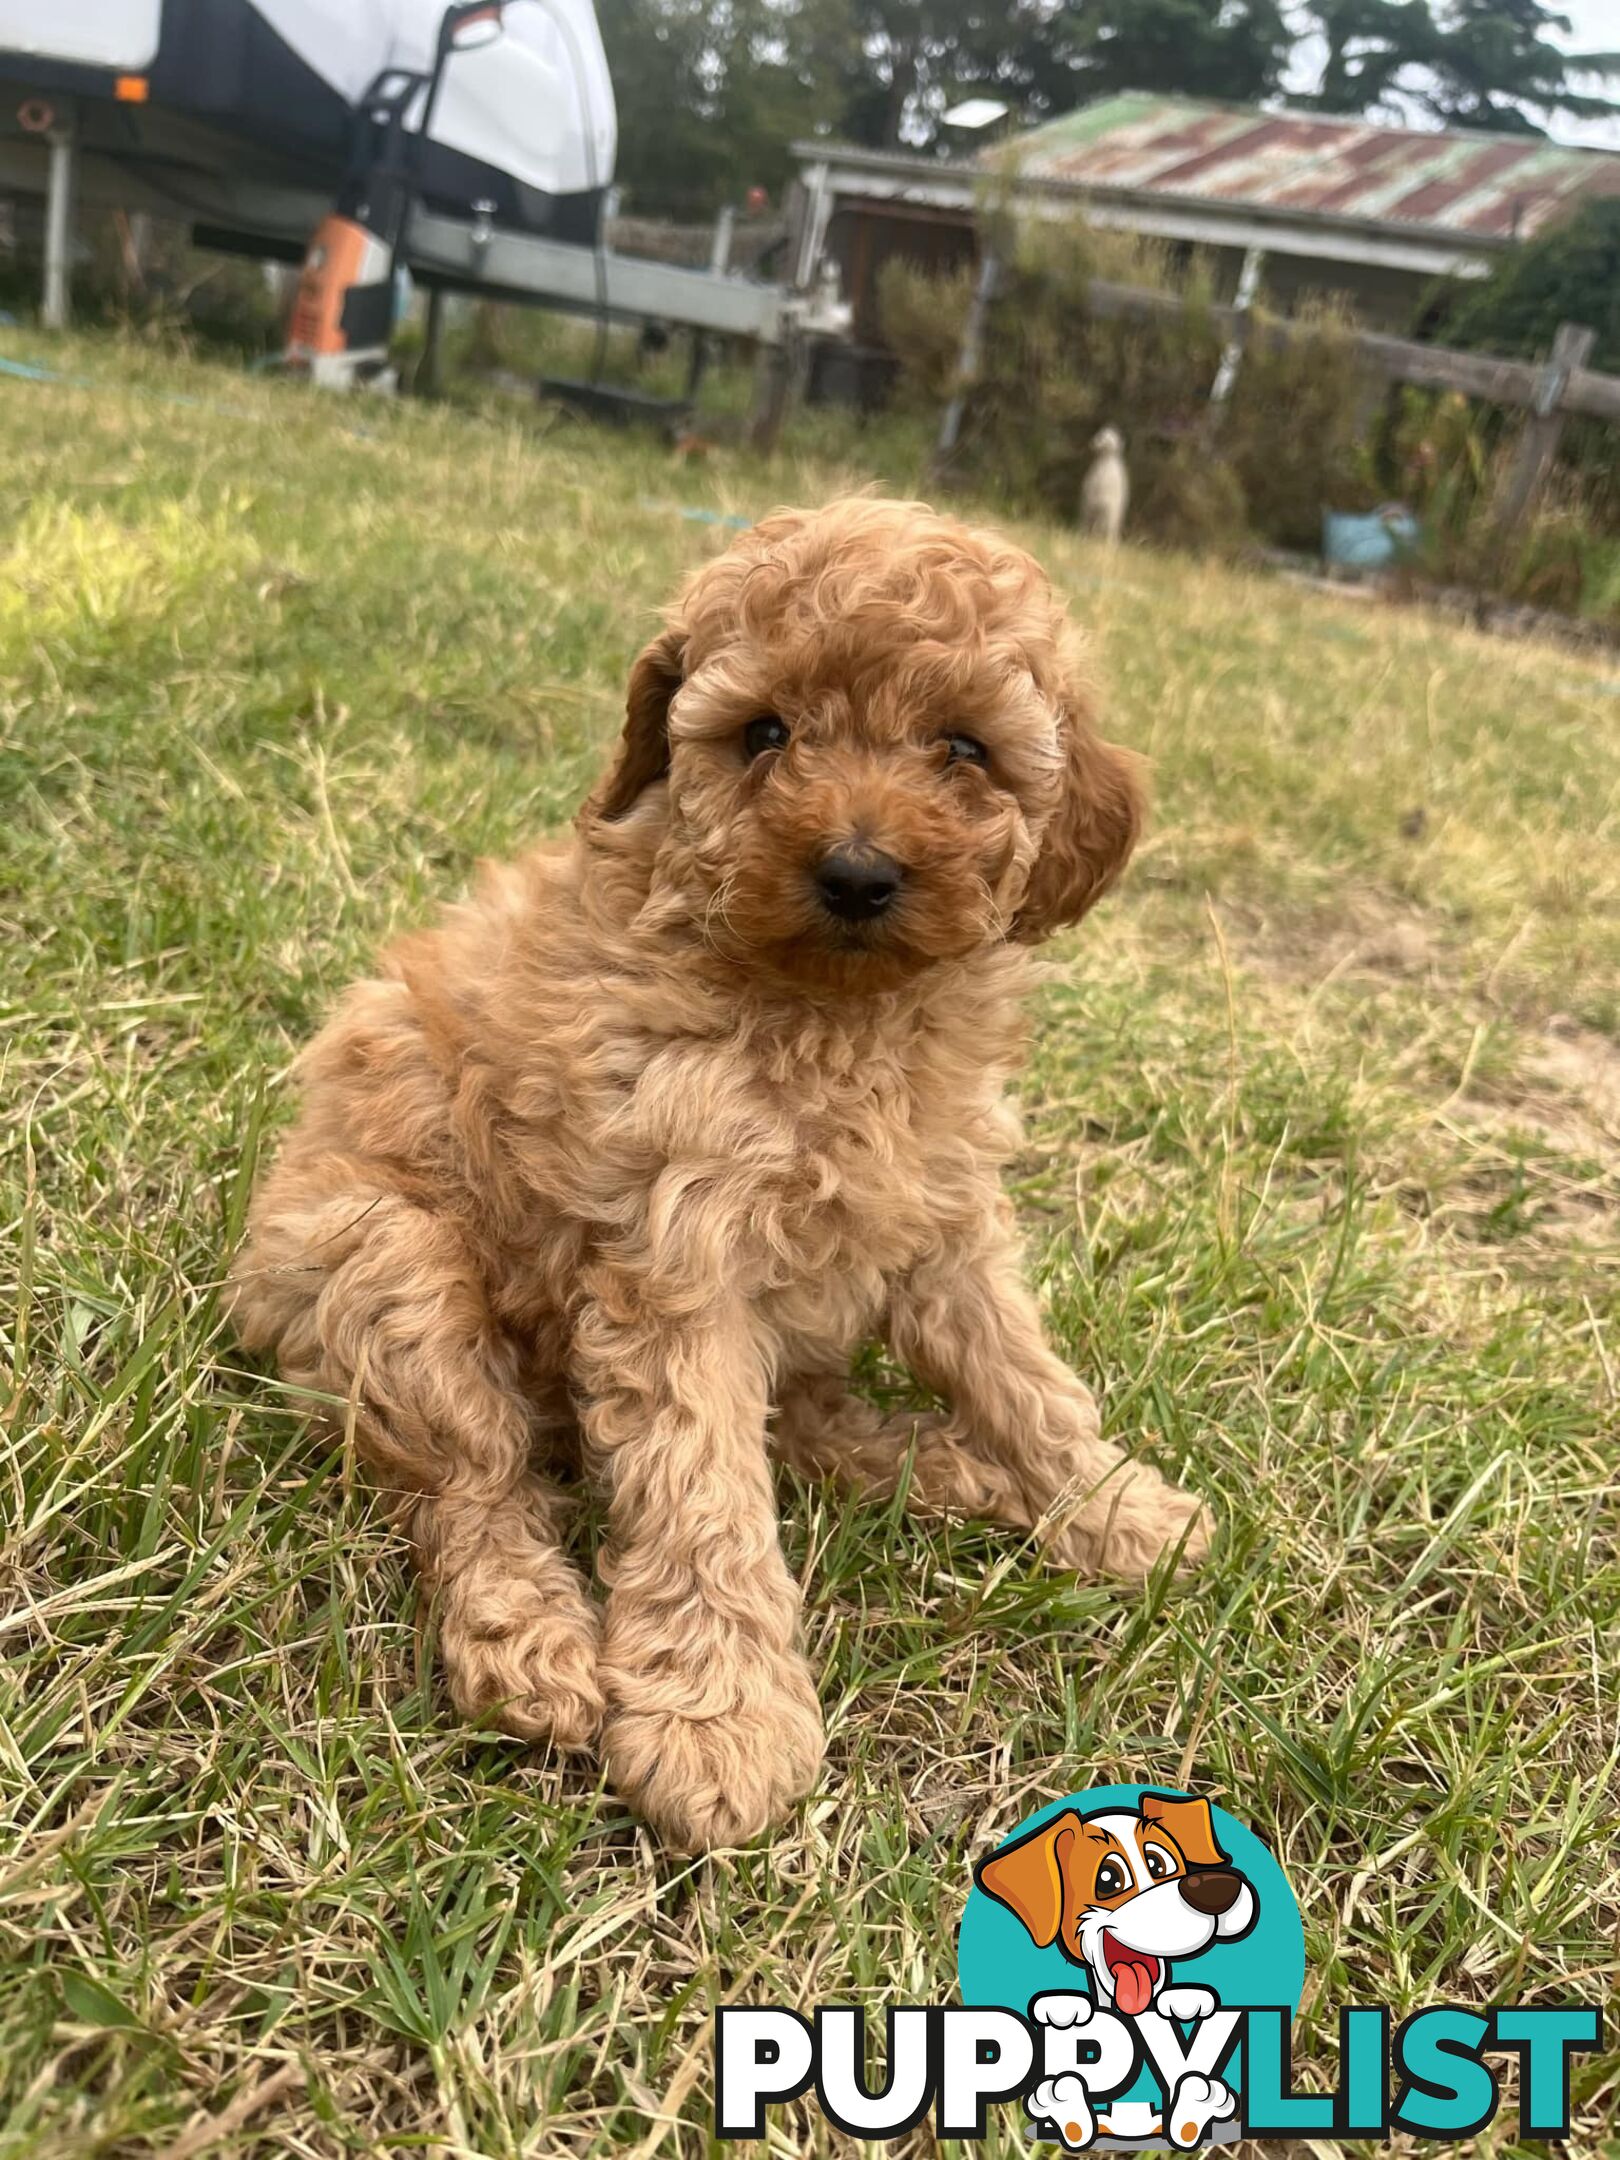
(621, 1163)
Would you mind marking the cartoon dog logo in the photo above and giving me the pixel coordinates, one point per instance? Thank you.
(1124, 1894)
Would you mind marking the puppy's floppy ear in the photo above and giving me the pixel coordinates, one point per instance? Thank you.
(1029, 1877)
(1093, 830)
(1190, 1824)
(643, 754)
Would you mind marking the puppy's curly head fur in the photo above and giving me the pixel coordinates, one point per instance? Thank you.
(922, 708)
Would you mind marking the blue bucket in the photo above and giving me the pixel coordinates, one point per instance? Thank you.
(1370, 539)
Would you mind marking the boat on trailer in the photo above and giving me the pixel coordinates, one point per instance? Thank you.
(248, 119)
(471, 145)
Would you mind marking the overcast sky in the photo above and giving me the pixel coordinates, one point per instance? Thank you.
(1596, 29)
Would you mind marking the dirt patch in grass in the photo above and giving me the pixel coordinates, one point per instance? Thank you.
(1366, 933)
(1585, 1067)
(1564, 1087)
(1503, 1128)
(1565, 1094)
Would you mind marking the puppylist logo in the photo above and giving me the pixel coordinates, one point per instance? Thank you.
(1130, 1962)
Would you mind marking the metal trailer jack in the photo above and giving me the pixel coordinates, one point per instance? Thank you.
(57, 304)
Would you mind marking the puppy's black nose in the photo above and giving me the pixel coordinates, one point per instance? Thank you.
(1212, 1891)
(857, 882)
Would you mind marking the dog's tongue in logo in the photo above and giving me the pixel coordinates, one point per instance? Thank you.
(1135, 1975)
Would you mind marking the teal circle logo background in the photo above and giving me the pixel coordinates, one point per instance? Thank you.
(999, 1964)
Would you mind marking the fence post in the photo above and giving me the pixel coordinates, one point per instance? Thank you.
(1538, 444)
(967, 365)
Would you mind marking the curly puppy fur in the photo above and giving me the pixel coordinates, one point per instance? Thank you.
(620, 1163)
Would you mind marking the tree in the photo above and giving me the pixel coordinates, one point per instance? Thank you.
(915, 58)
(712, 94)
(1466, 63)
(909, 61)
(1233, 49)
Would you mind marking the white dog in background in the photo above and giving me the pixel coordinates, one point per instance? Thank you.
(1105, 494)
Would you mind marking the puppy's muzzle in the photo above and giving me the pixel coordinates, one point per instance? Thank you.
(1212, 1891)
(857, 883)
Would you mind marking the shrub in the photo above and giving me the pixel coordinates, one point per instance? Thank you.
(1053, 372)
(160, 288)
(1547, 565)
(923, 316)
(1293, 430)
(1600, 594)
(1568, 274)
(1189, 499)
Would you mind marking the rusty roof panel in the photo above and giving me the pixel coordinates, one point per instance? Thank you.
(1456, 184)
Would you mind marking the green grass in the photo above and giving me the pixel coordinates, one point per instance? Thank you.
(1321, 1185)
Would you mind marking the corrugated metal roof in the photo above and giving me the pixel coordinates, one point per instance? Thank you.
(1463, 185)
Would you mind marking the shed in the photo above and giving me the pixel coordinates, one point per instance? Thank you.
(1309, 201)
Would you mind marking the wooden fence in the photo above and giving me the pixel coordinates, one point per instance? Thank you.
(1550, 391)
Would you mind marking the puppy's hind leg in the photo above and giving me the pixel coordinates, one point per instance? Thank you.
(823, 1431)
(371, 1299)
(966, 1324)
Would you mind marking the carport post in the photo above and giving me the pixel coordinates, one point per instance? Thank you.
(56, 305)
(968, 363)
(1248, 284)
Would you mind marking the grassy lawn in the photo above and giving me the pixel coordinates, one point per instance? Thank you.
(1322, 1183)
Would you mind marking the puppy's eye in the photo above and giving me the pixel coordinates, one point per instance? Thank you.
(1159, 1863)
(1111, 1879)
(765, 733)
(965, 750)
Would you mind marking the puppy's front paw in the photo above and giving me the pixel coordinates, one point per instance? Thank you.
(1128, 1525)
(714, 1779)
(521, 1654)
